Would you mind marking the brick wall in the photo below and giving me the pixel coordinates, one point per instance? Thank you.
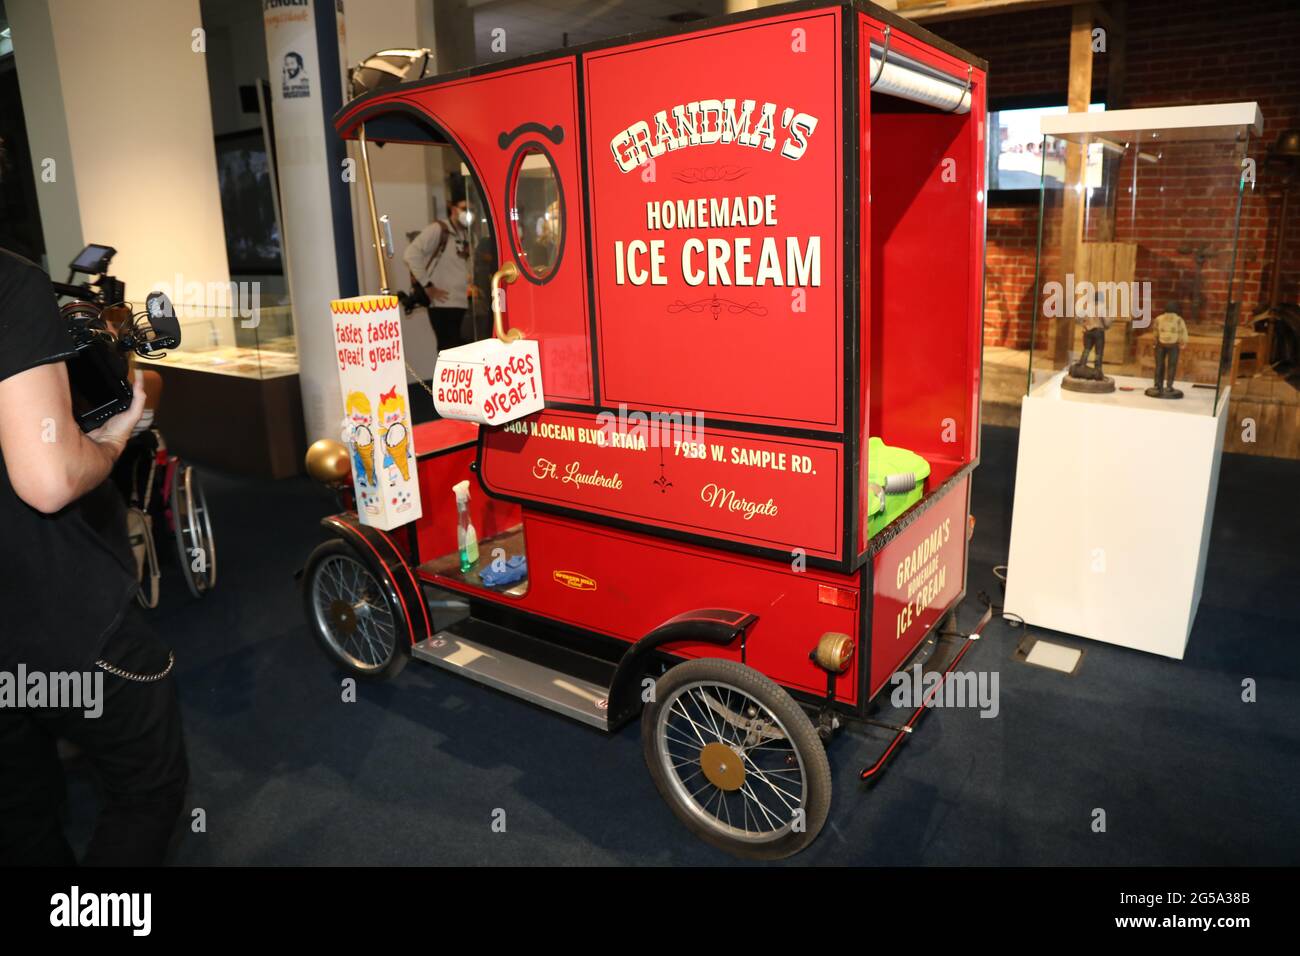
(1180, 52)
(1009, 274)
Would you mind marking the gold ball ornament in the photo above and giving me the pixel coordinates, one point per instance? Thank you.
(328, 462)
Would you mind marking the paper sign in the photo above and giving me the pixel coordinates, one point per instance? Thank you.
(376, 420)
(489, 382)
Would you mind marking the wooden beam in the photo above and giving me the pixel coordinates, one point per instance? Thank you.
(931, 11)
(1080, 87)
(1073, 201)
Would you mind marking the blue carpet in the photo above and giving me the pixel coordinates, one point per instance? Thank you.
(414, 771)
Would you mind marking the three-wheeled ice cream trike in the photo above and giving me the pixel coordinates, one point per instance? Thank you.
(755, 290)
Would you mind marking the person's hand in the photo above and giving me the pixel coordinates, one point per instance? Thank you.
(112, 436)
(435, 294)
(473, 292)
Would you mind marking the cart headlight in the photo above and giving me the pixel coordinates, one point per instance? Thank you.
(327, 462)
(833, 652)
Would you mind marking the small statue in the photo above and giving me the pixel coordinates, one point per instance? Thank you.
(1082, 377)
(1171, 335)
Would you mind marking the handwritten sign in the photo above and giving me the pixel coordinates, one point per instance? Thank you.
(489, 382)
(376, 423)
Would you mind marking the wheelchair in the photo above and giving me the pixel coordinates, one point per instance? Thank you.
(164, 496)
(167, 510)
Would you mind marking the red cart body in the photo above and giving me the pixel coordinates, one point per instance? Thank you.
(762, 264)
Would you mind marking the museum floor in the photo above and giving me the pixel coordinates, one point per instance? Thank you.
(412, 772)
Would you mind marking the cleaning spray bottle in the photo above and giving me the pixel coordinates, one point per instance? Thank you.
(466, 536)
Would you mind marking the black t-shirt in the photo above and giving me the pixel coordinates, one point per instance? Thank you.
(66, 578)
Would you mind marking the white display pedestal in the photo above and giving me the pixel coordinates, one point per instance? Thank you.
(1114, 499)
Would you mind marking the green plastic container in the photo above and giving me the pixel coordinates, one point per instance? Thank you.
(885, 460)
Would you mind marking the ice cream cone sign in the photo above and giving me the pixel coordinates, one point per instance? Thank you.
(358, 427)
(396, 432)
(372, 381)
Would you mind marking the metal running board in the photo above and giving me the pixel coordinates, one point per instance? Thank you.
(486, 662)
(937, 640)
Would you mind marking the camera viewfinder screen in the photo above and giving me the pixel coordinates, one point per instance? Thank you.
(91, 260)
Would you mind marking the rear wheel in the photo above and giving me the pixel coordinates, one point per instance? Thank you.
(737, 759)
(350, 613)
(195, 545)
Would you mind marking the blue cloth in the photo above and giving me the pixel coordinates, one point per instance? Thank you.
(516, 569)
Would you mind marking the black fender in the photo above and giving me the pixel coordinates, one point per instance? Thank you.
(390, 568)
(708, 625)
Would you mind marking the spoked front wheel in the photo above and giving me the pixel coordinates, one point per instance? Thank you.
(195, 546)
(351, 614)
(737, 759)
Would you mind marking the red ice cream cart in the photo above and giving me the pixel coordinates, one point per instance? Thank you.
(745, 504)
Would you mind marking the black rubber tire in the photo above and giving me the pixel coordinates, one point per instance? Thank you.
(185, 475)
(803, 737)
(401, 650)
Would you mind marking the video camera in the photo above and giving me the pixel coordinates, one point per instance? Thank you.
(104, 329)
(415, 298)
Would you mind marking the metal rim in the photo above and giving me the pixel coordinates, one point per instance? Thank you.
(693, 722)
(193, 524)
(352, 612)
(203, 526)
(180, 508)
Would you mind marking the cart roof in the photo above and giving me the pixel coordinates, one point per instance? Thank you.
(405, 125)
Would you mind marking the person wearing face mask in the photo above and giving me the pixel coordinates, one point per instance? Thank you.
(438, 259)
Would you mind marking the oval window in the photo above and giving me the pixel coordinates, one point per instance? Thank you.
(536, 213)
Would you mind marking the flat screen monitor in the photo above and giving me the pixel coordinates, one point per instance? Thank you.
(1016, 160)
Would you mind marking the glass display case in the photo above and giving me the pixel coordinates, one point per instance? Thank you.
(230, 394)
(1135, 348)
(1137, 285)
(252, 338)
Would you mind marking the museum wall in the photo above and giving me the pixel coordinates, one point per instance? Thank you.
(114, 108)
(1180, 52)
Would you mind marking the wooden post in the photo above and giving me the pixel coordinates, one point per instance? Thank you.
(1073, 200)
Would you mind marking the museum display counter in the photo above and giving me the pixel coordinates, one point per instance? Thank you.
(1135, 345)
(231, 394)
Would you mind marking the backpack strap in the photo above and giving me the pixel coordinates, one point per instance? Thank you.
(444, 233)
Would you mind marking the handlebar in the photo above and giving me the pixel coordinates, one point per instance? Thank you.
(81, 292)
(105, 291)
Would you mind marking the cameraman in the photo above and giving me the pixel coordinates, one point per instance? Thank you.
(70, 579)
